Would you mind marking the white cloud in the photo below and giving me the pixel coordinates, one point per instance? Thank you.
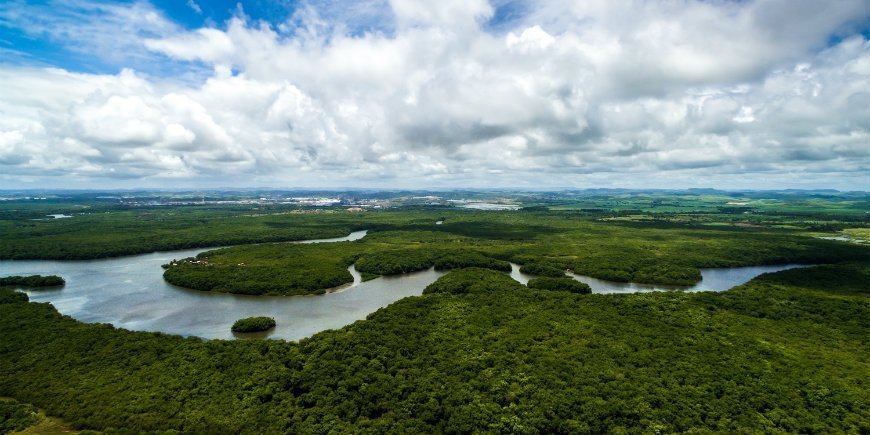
(194, 6)
(208, 45)
(632, 93)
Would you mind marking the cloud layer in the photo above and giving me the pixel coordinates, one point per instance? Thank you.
(661, 93)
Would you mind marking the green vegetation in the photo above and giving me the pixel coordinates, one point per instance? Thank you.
(32, 281)
(477, 352)
(24, 419)
(563, 284)
(657, 238)
(423, 257)
(783, 353)
(254, 324)
(541, 269)
(544, 243)
(15, 416)
(12, 297)
(126, 232)
(460, 259)
(858, 234)
(396, 261)
(275, 269)
(473, 280)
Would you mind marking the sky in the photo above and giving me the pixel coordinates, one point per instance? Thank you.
(422, 94)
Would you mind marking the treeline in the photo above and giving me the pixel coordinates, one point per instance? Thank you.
(544, 243)
(296, 269)
(655, 256)
(638, 269)
(544, 268)
(479, 354)
(120, 233)
(270, 269)
(563, 284)
(617, 268)
(473, 280)
(12, 297)
(32, 281)
(397, 261)
(411, 260)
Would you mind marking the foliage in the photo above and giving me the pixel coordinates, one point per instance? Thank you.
(127, 232)
(664, 247)
(477, 352)
(559, 284)
(32, 281)
(8, 296)
(543, 269)
(667, 274)
(459, 259)
(783, 353)
(473, 280)
(274, 269)
(396, 261)
(15, 416)
(253, 324)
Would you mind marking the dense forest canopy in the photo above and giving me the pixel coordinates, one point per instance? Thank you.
(546, 244)
(477, 352)
(785, 352)
(253, 324)
(34, 281)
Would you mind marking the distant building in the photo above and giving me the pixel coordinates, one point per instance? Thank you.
(355, 209)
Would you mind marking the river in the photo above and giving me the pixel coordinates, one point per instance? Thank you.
(129, 292)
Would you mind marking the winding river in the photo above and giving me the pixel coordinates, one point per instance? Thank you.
(129, 292)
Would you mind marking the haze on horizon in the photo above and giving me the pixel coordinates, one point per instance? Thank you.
(765, 94)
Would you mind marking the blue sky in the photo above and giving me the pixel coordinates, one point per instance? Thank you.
(30, 45)
(21, 44)
(454, 93)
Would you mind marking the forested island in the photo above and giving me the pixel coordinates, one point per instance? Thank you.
(253, 324)
(559, 284)
(546, 244)
(34, 281)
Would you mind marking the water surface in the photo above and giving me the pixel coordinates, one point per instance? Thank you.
(129, 292)
(712, 279)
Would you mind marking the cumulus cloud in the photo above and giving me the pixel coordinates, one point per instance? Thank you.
(630, 93)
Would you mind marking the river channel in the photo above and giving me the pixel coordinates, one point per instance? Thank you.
(129, 292)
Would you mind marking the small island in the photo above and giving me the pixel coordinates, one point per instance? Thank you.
(560, 284)
(32, 281)
(254, 324)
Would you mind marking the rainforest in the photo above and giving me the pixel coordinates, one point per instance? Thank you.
(475, 351)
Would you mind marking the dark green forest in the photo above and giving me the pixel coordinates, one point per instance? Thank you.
(477, 352)
(253, 324)
(559, 284)
(16, 416)
(34, 281)
(545, 244)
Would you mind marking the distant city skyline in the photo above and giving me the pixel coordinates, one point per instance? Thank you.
(415, 94)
